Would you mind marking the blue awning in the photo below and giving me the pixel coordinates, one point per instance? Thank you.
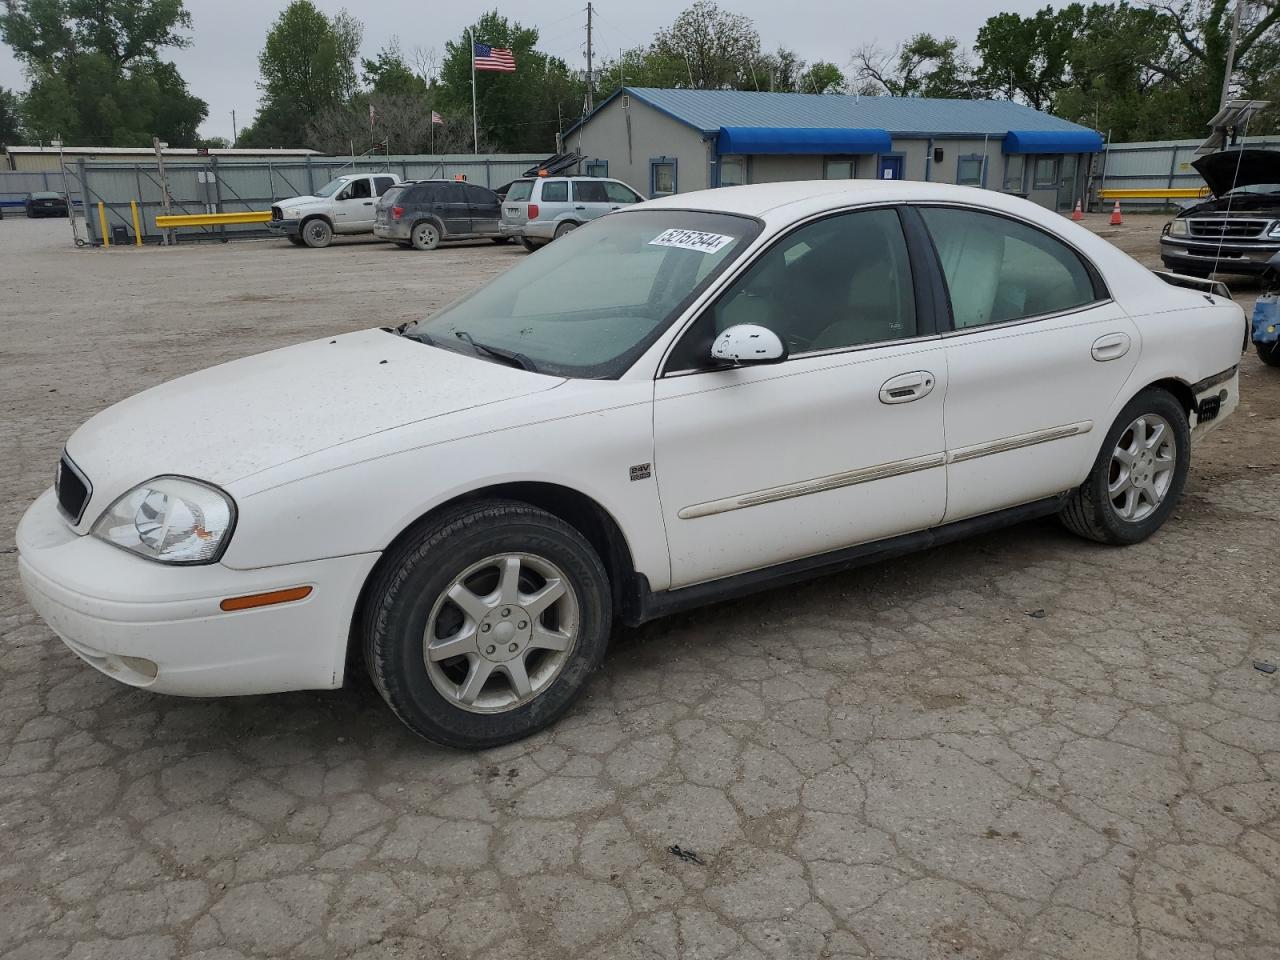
(1057, 141)
(825, 140)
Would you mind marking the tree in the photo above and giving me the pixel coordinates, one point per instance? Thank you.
(10, 129)
(822, 77)
(388, 73)
(715, 46)
(922, 67)
(520, 111)
(1028, 58)
(307, 67)
(96, 74)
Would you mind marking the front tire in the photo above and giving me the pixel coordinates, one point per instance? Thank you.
(317, 233)
(1269, 353)
(483, 626)
(1138, 476)
(425, 235)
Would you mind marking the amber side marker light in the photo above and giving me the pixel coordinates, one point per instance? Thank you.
(265, 599)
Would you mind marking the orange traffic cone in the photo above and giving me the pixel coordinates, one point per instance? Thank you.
(1116, 219)
(1078, 213)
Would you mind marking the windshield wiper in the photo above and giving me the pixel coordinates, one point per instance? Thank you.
(510, 356)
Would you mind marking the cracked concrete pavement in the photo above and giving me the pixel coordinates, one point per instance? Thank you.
(898, 762)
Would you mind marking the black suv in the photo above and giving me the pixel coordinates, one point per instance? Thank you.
(421, 213)
(1238, 230)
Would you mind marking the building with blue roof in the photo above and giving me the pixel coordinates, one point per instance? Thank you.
(674, 141)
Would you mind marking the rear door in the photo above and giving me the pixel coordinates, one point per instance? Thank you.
(589, 199)
(353, 207)
(1037, 356)
(484, 209)
(453, 208)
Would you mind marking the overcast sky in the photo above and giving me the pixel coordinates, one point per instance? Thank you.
(221, 65)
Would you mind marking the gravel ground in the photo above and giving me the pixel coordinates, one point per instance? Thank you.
(899, 762)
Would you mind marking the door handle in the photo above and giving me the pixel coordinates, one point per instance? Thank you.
(579, 207)
(907, 387)
(368, 203)
(1112, 346)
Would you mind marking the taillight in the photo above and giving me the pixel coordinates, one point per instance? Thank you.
(397, 213)
(533, 211)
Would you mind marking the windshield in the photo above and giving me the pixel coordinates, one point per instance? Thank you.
(520, 190)
(330, 188)
(594, 300)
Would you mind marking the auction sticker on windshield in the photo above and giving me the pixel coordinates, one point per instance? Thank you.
(691, 240)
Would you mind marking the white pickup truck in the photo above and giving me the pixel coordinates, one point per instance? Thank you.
(345, 205)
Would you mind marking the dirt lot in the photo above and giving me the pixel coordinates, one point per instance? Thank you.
(899, 762)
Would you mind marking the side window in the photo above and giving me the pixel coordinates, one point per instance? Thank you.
(620, 192)
(589, 191)
(555, 191)
(843, 281)
(998, 269)
(383, 184)
(359, 189)
(479, 196)
(451, 193)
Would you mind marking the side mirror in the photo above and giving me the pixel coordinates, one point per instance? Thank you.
(748, 343)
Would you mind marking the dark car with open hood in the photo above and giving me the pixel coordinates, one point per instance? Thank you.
(1237, 230)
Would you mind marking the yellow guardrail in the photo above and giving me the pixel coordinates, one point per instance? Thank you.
(1153, 193)
(211, 219)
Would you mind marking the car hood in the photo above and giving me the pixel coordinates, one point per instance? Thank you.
(237, 419)
(305, 200)
(1228, 169)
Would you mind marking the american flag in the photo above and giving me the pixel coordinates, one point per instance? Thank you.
(494, 58)
(436, 118)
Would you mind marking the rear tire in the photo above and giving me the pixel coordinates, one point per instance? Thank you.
(1138, 476)
(1269, 353)
(461, 637)
(529, 244)
(317, 233)
(425, 235)
(567, 227)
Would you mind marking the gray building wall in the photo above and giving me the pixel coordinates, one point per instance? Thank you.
(629, 148)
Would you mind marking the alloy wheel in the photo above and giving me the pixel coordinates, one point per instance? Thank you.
(1143, 466)
(501, 632)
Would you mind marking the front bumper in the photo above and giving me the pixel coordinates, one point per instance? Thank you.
(285, 228)
(1181, 253)
(162, 628)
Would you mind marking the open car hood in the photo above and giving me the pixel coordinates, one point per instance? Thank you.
(1228, 169)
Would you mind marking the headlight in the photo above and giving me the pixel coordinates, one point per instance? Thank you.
(1178, 228)
(171, 520)
(291, 213)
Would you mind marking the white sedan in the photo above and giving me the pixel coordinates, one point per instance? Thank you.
(682, 402)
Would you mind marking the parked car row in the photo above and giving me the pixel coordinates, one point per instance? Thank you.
(423, 213)
(43, 203)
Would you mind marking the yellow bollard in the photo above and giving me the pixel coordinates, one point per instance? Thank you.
(102, 223)
(137, 225)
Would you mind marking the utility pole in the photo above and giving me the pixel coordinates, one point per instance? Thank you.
(166, 199)
(590, 75)
(235, 134)
(1231, 55)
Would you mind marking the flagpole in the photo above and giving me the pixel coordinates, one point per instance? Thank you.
(475, 124)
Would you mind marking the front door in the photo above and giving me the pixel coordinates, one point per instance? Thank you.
(483, 207)
(1038, 355)
(353, 208)
(841, 443)
(890, 168)
(454, 209)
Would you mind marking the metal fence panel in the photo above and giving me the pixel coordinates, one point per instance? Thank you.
(16, 184)
(1160, 164)
(218, 185)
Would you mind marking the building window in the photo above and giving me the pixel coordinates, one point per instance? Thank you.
(1013, 168)
(662, 176)
(597, 168)
(733, 172)
(838, 168)
(1046, 173)
(969, 170)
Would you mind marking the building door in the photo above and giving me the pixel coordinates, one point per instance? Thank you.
(1067, 182)
(891, 168)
